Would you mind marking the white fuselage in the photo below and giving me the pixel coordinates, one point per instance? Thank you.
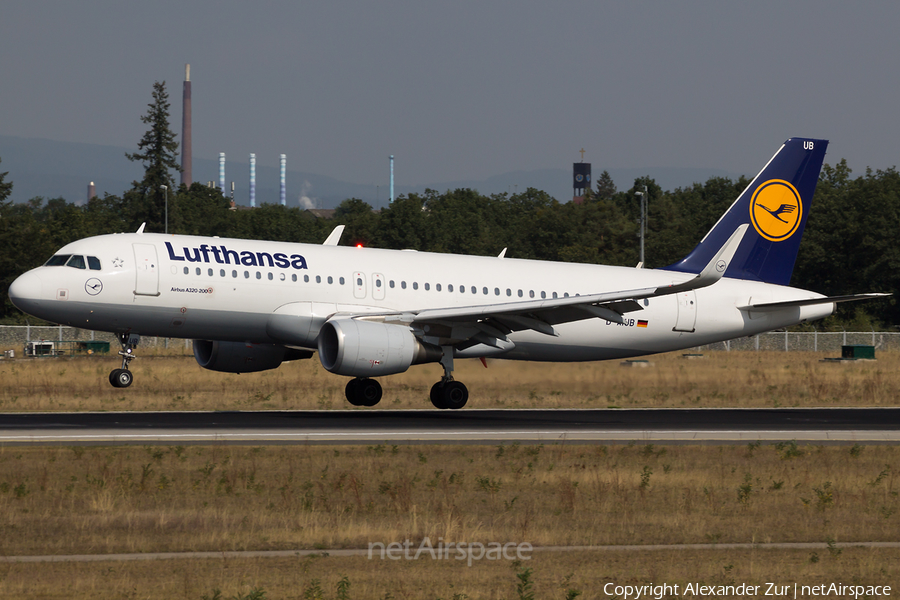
(228, 290)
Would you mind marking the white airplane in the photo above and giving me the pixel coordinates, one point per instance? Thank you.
(250, 305)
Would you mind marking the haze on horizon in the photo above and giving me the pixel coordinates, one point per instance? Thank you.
(463, 90)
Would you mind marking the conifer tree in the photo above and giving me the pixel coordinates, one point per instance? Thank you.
(158, 151)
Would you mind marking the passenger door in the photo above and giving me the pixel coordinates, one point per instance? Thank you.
(146, 268)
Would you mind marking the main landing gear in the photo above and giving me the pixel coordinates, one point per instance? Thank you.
(122, 378)
(363, 391)
(446, 393)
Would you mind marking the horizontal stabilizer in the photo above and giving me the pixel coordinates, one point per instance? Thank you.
(772, 306)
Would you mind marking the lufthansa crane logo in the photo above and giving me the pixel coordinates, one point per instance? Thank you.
(776, 210)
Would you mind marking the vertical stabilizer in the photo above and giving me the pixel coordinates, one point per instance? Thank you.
(776, 205)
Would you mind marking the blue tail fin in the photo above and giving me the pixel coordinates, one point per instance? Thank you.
(776, 205)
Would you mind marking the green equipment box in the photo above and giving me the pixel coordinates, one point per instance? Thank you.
(858, 351)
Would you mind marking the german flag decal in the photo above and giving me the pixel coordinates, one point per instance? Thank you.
(641, 323)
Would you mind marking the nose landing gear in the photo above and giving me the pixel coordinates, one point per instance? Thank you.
(122, 378)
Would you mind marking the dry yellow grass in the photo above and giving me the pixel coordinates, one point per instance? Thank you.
(554, 574)
(721, 379)
(130, 499)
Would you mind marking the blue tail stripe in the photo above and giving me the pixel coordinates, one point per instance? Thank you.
(776, 204)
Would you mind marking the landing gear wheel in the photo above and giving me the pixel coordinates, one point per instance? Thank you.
(350, 392)
(437, 395)
(455, 394)
(363, 392)
(121, 378)
(449, 394)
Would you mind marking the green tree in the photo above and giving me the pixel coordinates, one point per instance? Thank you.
(606, 189)
(402, 224)
(158, 151)
(5, 186)
(360, 221)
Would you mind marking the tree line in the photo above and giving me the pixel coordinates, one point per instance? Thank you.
(848, 245)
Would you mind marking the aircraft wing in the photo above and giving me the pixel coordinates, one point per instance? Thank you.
(491, 323)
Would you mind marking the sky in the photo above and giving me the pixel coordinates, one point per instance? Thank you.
(465, 89)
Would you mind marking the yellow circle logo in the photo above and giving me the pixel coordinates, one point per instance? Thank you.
(775, 210)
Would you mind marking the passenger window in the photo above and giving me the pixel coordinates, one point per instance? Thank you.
(294, 277)
(450, 287)
(359, 281)
(554, 294)
(197, 270)
(531, 293)
(93, 263)
(187, 271)
(330, 280)
(437, 286)
(318, 279)
(484, 291)
(475, 290)
(520, 293)
(57, 260)
(306, 279)
(427, 287)
(221, 272)
(341, 281)
(76, 262)
(271, 276)
(415, 285)
(391, 284)
(246, 274)
(543, 295)
(566, 295)
(496, 291)
(258, 275)
(210, 272)
(462, 289)
(403, 285)
(508, 292)
(234, 274)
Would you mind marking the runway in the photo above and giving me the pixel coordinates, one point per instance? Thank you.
(674, 426)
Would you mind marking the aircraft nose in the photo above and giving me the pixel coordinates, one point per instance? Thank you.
(25, 288)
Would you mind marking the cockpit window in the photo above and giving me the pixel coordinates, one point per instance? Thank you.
(93, 263)
(58, 260)
(76, 262)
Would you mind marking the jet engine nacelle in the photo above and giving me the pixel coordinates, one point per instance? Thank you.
(368, 349)
(241, 357)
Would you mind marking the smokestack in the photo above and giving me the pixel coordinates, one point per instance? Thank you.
(252, 180)
(392, 178)
(283, 180)
(186, 177)
(222, 171)
(92, 191)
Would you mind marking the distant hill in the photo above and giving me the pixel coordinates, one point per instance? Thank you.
(52, 169)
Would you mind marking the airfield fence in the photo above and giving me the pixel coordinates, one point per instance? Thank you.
(809, 341)
(16, 336)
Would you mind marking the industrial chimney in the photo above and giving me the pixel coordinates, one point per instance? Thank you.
(186, 177)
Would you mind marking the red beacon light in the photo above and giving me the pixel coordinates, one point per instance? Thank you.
(359, 245)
